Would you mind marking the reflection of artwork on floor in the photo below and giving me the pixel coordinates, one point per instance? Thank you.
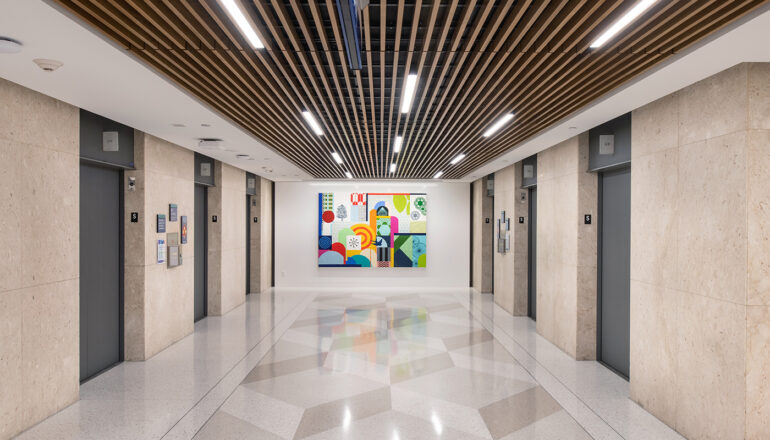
(372, 229)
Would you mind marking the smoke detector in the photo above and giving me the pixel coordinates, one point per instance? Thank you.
(48, 65)
(8, 45)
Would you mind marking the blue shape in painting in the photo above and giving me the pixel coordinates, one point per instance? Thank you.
(324, 242)
(331, 257)
(358, 260)
(418, 247)
(401, 260)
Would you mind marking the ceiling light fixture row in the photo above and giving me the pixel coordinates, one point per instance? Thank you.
(624, 21)
(409, 87)
(236, 14)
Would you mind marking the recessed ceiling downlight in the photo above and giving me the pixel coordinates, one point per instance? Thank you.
(8, 45)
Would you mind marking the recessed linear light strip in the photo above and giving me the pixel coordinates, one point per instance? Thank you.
(393, 168)
(397, 144)
(498, 125)
(311, 121)
(457, 158)
(348, 175)
(406, 100)
(624, 21)
(239, 18)
(437, 175)
(337, 157)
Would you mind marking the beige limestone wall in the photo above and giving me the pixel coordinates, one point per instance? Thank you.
(700, 289)
(482, 237)
(510, 274)
(566, 248)
(39, 259)
(159, 300)
(266, 234)
(227, 240)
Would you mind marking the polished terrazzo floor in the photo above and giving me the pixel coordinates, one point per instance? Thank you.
(367, 366)
(357, 364)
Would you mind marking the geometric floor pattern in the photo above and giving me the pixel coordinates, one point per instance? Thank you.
(389, 366)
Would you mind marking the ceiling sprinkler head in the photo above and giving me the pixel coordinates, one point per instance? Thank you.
(47, 65)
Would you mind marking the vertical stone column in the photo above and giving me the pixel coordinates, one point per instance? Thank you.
(700, 289)
(510, 274)
(158, 300)
(482, 237)
(266, 234)
(227, 239)
(39, 257)
(566, 248)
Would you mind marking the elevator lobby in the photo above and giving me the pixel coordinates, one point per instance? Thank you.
(396, 220)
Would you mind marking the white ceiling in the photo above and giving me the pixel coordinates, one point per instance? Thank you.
(746, 41)
(101, 78)
(104, 79)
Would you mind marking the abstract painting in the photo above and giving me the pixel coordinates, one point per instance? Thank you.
(372, 229)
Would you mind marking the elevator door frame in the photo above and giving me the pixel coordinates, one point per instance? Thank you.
(205, 234)
(599, 257)
(121, 263)
(248, 243)
(532, 259)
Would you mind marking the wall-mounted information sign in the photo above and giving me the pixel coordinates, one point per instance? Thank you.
(183, 228)
(161, 223)
(172, 212)
(161, 251)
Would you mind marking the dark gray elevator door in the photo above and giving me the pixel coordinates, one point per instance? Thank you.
(248, 243)
(615, 269)
(100, 269)
(532, 258)
(201, 250)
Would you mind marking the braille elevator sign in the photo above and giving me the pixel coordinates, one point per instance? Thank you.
(214, 218)
(587, 219)
(134, 217)
(255, 219)
(521, 219)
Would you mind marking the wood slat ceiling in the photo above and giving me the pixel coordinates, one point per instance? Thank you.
(476, 60)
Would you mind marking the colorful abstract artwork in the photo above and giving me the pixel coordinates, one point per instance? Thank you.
(372, 229)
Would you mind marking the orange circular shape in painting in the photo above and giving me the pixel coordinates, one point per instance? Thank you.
(365, 232)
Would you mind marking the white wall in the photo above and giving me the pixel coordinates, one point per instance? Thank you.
(296, 237)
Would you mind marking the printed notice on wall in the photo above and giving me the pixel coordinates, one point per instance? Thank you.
(161, 251)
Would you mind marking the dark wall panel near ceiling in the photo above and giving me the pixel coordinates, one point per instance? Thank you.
(92, 129)
(620, 129)
(529, 172)
(204, 170)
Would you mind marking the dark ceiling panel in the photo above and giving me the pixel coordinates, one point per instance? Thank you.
(476, 61)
